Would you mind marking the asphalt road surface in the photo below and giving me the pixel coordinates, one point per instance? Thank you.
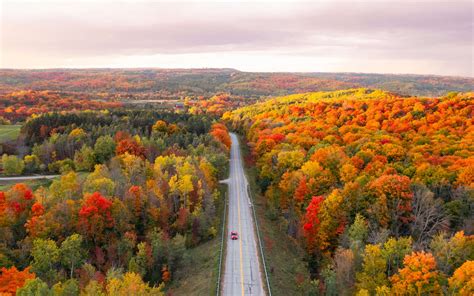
(242, 274)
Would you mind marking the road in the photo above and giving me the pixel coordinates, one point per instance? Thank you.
(25, 178)
(242, 274)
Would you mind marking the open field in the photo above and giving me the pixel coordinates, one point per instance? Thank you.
(9, 132)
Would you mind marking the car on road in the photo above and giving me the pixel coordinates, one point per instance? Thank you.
(234, 235)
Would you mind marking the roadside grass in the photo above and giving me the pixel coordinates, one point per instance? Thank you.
(198, 273)
(9, 132)
(199, 270)
(283, 256)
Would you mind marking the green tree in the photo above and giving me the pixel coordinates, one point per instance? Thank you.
(72, 253)
(358, 231)
(138, 263)
(93, 288)
(357, 235)
(450, 253)
(373, 270)
(394, 250)
(84, 159)
(45, 255)
(12, 165)
(330, 280)
(67, 187)
(34, 287)
(68, 288)
(32, 163)
(99, 181)
(104, 149)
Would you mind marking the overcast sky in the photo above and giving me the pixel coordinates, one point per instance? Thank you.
(421, 37)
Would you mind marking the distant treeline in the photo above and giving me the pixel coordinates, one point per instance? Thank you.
(207, 82)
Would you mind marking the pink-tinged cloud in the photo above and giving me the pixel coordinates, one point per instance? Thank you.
(363, 36)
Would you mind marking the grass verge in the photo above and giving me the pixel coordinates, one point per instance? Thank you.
(283, 256)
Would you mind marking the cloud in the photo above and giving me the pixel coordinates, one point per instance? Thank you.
(426, 31)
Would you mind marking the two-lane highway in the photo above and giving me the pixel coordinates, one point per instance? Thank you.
(242, 275)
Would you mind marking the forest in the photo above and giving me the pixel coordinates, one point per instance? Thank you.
(377, 188)
(236, 147)
(375, 185)
(19, 105)
(112, 84)
(137, 189)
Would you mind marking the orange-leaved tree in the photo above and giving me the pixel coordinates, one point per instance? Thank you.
(220, 133)
(462, 281)
(11, 279)
(419, 276)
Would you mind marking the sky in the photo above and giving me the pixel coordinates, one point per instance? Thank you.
(372, 36)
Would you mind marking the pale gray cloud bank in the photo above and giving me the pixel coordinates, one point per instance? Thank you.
(362, 36)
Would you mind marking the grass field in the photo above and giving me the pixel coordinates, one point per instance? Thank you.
(283, 256)
(9, 132)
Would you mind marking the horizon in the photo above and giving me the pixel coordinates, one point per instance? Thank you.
(233, 69)
(366, 37)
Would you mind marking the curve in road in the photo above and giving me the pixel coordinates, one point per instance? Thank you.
(242, 275)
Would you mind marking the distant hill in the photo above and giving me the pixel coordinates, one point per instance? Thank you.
(206, 82)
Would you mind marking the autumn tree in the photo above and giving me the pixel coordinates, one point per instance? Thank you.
(130, 146)
(67, 187)
(394, 251)
(220, 133)
(165, 274)
(332, 218)
(462, 281)
(393, 201)
(84, 159)
(12, 279)
(95, 217)
(160, 126)
(418, 276)
(311, 223)
(36, 225)
(32, 163)
(450, 253)
(373, 269)
(19, 199)
(132, 284)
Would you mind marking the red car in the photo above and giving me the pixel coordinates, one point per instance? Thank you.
(234, 235)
